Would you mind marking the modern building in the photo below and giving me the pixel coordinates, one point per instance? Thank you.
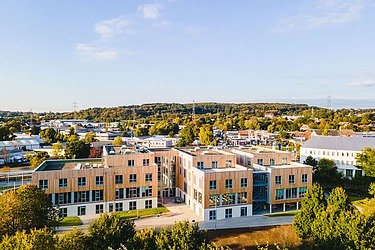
(212, 184)
(118, 182)
(342, 150)
(215, 183)
(278, 183)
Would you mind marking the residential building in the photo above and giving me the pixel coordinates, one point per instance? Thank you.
(342, 150)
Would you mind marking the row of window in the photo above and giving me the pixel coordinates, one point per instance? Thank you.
(291, 179)
(228, 213)
(290, 193)
(214, 165)
(98, 195)
(99, 180)
(228, 183)
(145, 163)
(333, 153)
(99, 208)
(228, 199)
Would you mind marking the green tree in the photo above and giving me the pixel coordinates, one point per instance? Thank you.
(205, 134)
(117, 141)
(326, 171)
(36, 159)
(311, 161)
(37, 239)
(26, 208)
(186, 136)
(110, 230)
(77, 149)
(5, 133)
(57, 150)
(90, 137)
(366, 161)
(48, 135)
(145, 240)
(312, 206)
(74, 239)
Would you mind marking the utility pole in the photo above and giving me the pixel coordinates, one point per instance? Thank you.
(193, 116)
(75, 105)
(329, 101)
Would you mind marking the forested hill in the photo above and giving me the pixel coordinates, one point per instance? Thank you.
(158, 110)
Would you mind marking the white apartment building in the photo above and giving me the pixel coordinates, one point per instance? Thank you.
(342, 150)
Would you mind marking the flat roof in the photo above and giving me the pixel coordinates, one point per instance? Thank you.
(198, 151)
(259, 150)
(67, 164)
(222, 170)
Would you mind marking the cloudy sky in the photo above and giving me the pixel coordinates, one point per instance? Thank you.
(110, 53)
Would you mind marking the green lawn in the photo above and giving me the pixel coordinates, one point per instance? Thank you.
(143, 212)
(289, 213)
(71, 221)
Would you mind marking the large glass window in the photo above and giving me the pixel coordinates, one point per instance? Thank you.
(242, 198)
(279, 194)
(301, 192)
(228, 199)
(119, 193)
(146, 191)
(97, 195)
(291, 193)
(214, 200)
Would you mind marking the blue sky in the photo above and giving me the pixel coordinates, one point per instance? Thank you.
(111, 53)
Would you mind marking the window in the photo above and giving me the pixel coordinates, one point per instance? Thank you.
(119, 179)
(279, 194)
(214, 164)
(110, 207)
(228, 183)
(228, 213)
(81, 181)
(132, 192)
(301, 192)
(97, 195)
(243, 211)
(358, 173)
(118, 207)
(195, 194)
(81, 196)
(272, 162)
(130, 163)
(63, 198)
(119, 193)
(244, 182)
(148, 203)
(284, 161)
(133, 205)
(200, 197)
(99, 180)
(291, 193)
(349, 173)
(228, 199)
(242, 198)
(213, 185)
(260, 161)
(278, 180)
(43, 184)
(146, 162)
(63, 212)
(304, 178)
(214, 200)
(146, 191)
(200, 165)
(291, 179)
(99, 209)
(81, 210)
(63, 183)
(228, 164)
(158, 160)
(148, 177)
(212, 215)
(133, 178)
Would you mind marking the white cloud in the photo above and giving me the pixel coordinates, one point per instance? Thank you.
(97, 53)
(114, 27)
(162, 24)
(321, 14)
(368, 83)
(150, 11)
